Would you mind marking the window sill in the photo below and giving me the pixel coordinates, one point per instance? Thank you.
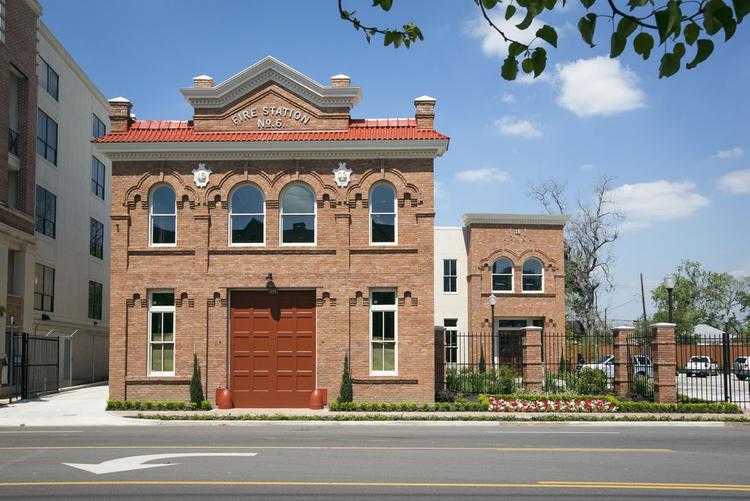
(385, 249)
(161, 251)
(381, 379)
(245, 250)
(157, 379)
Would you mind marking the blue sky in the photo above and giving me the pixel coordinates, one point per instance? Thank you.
(678, 149)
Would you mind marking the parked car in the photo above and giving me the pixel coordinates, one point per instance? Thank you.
(701, 365)
(641, 365)
(741, 367)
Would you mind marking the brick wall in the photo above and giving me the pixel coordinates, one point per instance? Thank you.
(341, 268)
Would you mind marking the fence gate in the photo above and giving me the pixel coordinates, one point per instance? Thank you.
(34, 364)
(713, 367)
(640, 365)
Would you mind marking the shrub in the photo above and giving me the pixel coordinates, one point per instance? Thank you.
(205, 405)
(196, 389)
(506, 379)
(643, 387)
(346, 392)
(591, 382)
(453, 380)
(482, 361)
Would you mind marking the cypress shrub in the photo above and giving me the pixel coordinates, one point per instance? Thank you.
(196, 389)
(346, 392)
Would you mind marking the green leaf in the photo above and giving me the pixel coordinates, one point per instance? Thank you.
(691, 32)
(548, 34)
(618, 44)
(539, 56)
(637, 3)
(711, 23)
(679, 49)
(662, 24)
(670, 64)
(527, 65)
(530, 15)
(384, 4)
(588, 3)
(587, 26)
(643, 43)
(510, 68)
(626, 26)
(510, 11)
(549, 4)
(489, 4)
(705, 48)
(741, 9)
(515, 49)
(675, 17)
(726, 17)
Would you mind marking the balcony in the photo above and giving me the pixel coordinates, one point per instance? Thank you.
(14, 141)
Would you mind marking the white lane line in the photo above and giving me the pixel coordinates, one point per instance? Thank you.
(557, 432)
(39, 431)
(647, 424)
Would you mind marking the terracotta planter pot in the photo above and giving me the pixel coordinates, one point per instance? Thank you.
(318, 398)
(224, 398)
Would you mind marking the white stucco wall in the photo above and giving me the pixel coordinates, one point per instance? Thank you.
(450, 244)
(70, 181)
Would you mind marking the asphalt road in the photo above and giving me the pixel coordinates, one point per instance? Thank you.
(394, 461)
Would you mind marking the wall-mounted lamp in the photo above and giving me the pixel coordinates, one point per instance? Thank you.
(270, 286)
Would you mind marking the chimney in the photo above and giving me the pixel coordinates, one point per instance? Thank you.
(340, 81)
(119, 114)
(203, 82)
(425, 112)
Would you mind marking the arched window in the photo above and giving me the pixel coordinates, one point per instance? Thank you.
(383, 214)
(163, 216)
(502, 275)
(247, 215)
(298, 214)
(533, 275)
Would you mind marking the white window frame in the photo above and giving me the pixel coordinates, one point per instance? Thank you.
(162, 309)
(449, 276)
(314, 243)
(512, 276)
(151, 216)
(446, 347)
(534, 275)
(384, 307)
(394, 213)
(250, 244)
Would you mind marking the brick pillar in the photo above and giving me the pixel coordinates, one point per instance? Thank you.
(439, 358)
(663, 356)
(620, 340)
(532, 358)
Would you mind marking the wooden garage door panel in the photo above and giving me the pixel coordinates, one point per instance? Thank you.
(272, 348)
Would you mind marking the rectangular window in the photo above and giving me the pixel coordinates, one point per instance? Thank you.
(96, 240)
(46, 212)
(449, 275)
(50, 80)
(383, 332)
(451, 340)
(98, 127)
(95, 300)
(44, 288)
(46, 137)
(161, 312)
(97, 177)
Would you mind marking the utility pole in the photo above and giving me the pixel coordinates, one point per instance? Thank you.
(643, 303)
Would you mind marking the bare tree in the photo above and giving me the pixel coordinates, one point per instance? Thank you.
(589, 236)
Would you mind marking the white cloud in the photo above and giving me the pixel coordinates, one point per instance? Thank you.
(528, 79)
(508, 99)
(439, 190)
(587, 167)
(598, 86)
(737, 181)
(730, 153)
(485, 174)
(509, 126)
(647, 203)
(492, 43)
(742, 272)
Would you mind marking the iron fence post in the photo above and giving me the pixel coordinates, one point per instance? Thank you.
(24, 365)
(725, 361)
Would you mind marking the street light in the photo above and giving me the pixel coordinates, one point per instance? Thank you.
(493, 302)
(669, 283)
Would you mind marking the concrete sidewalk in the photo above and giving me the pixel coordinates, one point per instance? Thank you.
(80, 407)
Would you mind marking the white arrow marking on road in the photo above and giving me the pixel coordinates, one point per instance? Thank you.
(137, 462)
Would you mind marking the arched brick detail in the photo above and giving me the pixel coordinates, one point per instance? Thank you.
(362, 187)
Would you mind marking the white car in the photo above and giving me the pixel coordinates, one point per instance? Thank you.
(641, 365)
(701, 365)
(741, 367)
(604, 363)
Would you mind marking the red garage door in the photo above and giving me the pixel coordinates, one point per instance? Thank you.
(272, 348)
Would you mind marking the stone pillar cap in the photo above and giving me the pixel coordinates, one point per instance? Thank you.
(119, 99)
(623, 328)
(663, 324)
(424, 99)
(532, 328)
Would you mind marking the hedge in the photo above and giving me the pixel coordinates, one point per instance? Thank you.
(157, 405)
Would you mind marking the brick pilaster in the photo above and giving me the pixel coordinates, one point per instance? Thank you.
(532, 358)
(664, 359)
(620, 340)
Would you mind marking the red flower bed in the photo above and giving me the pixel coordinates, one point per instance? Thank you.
(498, 404)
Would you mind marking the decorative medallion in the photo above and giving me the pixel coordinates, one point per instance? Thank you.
(343, 175)
(200, 175)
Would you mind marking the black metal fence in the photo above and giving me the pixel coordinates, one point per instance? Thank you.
(564, 356)
(713, 367)
(478, 362)
(34, 364)
(640, 365)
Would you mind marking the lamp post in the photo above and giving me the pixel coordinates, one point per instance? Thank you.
(493, 302)
(669, 283)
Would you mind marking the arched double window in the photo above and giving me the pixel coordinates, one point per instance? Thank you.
(383, 214)
(162, 216)
(247, 215)
(298, 214)
(502, 275)
(533, 275)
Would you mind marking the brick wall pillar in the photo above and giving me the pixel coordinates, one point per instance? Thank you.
(439, 358)
(532, 358)
(620, 340)
(663, 356)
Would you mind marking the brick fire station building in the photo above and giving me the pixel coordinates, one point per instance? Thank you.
(273, 234)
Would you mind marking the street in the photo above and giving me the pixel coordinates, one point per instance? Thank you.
(397, 461)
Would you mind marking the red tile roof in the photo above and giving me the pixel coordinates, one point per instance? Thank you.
(178, 131)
